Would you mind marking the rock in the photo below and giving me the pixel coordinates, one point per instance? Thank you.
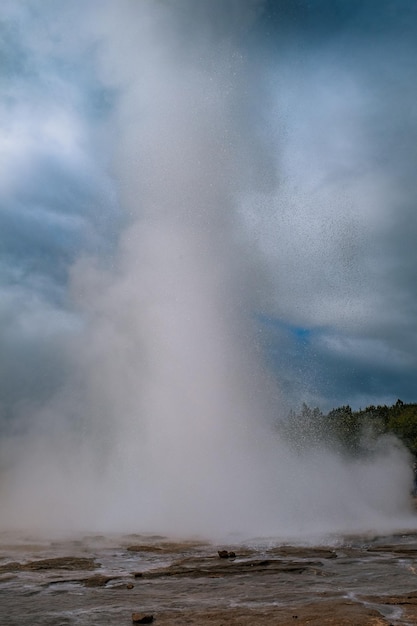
(225, 554)
(58, 563)
(137, 618)
(97, 581)
(164, 547)
(312, 552)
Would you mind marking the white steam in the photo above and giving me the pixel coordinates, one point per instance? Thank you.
(165, 424)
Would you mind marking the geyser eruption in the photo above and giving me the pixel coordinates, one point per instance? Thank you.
(165, 423)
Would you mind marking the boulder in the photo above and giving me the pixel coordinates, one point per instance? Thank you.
(138, 618)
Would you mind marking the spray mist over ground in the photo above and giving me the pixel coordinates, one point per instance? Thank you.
(165, 423)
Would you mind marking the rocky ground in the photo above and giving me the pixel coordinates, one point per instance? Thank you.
(151, 580)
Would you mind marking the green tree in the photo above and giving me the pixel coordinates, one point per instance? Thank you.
(403, 423)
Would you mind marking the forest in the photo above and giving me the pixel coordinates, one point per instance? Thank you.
(351, 433)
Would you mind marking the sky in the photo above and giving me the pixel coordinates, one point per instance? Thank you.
(317, 144)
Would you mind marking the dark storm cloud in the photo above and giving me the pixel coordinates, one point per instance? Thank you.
(341, 230)
(55, 200)
(317, 20)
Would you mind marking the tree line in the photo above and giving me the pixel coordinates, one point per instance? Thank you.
(353, 433)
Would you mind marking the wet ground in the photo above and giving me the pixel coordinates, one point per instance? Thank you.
(99, 580)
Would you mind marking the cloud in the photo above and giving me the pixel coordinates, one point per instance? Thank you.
(339, 232)
(55, 198)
